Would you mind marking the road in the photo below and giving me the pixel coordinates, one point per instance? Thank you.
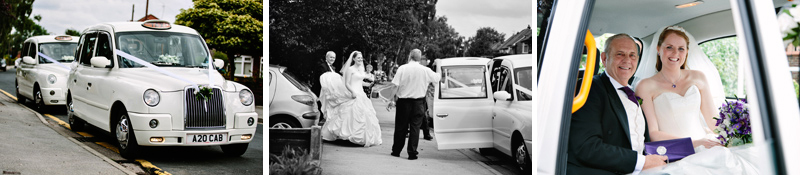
(174, 160)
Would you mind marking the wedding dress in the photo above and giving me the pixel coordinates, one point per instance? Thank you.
(680, 116)
(349, 119)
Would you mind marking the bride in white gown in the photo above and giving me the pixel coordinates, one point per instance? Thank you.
(680, 99)
(350, 113)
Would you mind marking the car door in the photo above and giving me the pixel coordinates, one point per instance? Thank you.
(98, 92)
(27, 76)
(502, 115)
(81, 93)
(462, 110)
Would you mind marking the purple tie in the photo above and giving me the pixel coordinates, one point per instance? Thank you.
(630, 94)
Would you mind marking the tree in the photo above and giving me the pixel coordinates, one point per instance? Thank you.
(13, 13)
(28, 28)
(72, 32)
(231, 26)
(482, 44)
(442, 40)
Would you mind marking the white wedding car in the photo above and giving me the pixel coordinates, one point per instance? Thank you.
(485, 103)
(741, 37)
(138, 80)
(40, 79)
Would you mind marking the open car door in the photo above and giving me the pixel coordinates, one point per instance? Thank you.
(462, 104)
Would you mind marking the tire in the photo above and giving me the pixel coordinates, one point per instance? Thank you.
(76, 124)
(283, 122)
(521, 156)
(234, 150)
(126, 138)
(37, 98)
(20, 98)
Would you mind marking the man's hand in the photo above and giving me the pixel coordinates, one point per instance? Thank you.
(390, 106)
(651, 161)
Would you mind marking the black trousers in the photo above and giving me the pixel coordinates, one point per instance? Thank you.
(408, 119)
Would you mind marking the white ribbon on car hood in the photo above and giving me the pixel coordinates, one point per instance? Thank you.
(52, 60)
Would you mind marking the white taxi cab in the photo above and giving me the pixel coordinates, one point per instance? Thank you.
(43, 72)
(745, 46)
(151, 84)
(483, 103)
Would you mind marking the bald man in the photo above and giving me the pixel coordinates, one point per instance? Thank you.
(412, 81)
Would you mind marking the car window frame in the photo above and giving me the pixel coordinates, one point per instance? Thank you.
(83, 46)
(485, 93)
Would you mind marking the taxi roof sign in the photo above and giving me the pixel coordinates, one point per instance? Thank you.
(157, 24)
(64, 38)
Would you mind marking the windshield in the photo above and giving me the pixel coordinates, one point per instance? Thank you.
(525, 79)
(163, 49)
(61, 52)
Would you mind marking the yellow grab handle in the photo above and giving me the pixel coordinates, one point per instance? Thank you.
(586, 84)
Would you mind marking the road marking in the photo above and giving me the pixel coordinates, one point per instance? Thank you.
(150, 166)
(9, 95)
(109, 146)
(84, 134)
(60, 122)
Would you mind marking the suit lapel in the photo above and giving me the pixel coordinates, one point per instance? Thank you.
(616, 105)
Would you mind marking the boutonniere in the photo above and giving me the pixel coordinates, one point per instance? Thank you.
(204, 93)
(639, 100)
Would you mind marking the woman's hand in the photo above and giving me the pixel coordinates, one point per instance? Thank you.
(705, 143)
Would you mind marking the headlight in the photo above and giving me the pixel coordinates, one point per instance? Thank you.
(51, 78)
(151, 97)
(246, 97)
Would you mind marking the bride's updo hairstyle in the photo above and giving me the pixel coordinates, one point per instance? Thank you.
(678, 31)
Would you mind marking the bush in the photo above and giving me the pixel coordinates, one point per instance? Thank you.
(293, 161)
(796, 89)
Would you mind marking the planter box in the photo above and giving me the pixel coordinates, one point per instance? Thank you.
(308, 139)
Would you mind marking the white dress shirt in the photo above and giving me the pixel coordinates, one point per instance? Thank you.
(412, 80)
(635, 123)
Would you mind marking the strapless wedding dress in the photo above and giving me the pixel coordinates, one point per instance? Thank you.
(680, 116)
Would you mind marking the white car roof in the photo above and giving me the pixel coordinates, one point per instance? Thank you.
(51, 39)
(462, 61)
(524, 60)
(137, 26)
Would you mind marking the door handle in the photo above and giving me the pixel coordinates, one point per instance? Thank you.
(442, 115)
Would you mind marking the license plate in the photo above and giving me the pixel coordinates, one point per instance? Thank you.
(206, 138)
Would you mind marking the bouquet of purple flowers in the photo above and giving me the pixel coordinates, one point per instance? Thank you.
(733, 123)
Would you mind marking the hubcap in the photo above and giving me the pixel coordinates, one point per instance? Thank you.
(281, 125)
(521, 154)
(122, 132)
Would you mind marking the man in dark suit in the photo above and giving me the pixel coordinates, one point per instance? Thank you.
(607, 134)
(324, 67)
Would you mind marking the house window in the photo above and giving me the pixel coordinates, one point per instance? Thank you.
(244, 66)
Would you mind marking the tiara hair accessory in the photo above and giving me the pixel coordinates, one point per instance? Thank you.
(678, 28)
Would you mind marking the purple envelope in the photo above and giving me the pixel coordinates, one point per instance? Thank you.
(675, 149)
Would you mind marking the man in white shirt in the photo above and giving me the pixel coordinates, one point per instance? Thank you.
(412, 81)
(607, 134)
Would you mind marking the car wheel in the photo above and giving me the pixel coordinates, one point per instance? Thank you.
(234, 149)
(125, 136)
(20, 98)
(75, 123)
(37, 98)
(283, 123)
(521, 157)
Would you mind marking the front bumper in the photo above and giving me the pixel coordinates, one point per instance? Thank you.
(173, 137)
(57, 97)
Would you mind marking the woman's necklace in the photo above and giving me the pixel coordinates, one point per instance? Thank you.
(673, 82)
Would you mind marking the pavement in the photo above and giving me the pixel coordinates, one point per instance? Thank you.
(31, 145)
(342, 157)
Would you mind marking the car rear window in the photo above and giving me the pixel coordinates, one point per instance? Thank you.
(301, 86)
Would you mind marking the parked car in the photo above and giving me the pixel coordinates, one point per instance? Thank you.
(152, 84)
(752, 55)
(3, 64)
(291, 102)
(41, 79)
(483, 103)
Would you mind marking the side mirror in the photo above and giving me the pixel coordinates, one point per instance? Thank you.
(100, 61)
(502, 96)
(29, 60)
(219, 63)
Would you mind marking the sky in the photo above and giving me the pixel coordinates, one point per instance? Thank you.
(59, 15)
(505, 16)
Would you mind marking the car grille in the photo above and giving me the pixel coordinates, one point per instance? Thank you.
(197, 117)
